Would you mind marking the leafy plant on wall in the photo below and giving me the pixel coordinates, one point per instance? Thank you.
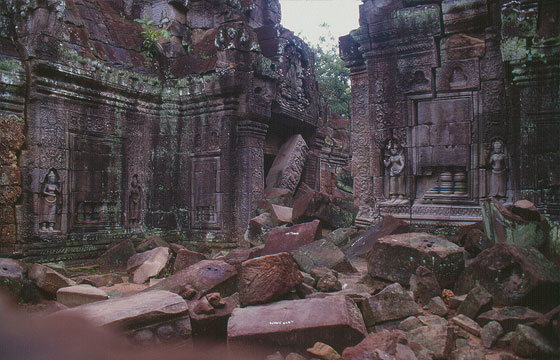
(153, 36)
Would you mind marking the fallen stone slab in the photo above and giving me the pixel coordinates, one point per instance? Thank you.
(381, 345)
(48, 280)
(341, 237)
(145, 317)
(298, 324)
(237, 256)
(146, 265)
(151, 243)
(437, 307)
(205, 277)
(439, 340)
(186, 258)
(281, 214)
(322, 253)
(287, 167)
(504, 226)
(117, 256)
(287, 239)
(432, 320)
(391, 303)
(283, 197)
(490, 333)
(258, 227)
(528, 342)
(267, 278)
(77, 295)
(513, 275)
(396, 258)
(11, 278)
(212, 325)
(324, 351)
(478, 300)
(509, 317)
(100, 280)
(363, 243)
(424, 285)
(468, 324)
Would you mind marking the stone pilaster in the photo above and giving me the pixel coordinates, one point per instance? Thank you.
(250, 172)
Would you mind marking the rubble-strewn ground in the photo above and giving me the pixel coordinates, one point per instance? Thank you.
(300, 292)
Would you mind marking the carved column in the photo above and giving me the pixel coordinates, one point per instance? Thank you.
(250, 172)
(361, 144)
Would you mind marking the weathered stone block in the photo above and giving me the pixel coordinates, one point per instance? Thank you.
(478, 300)
(267, 278)
(287, 239)
(159, 313)
(206, 276)
(509, 317)
(321, 253)
(148, 264)
(298, 324)
(287, 167)
(396, 258)
(392, 303)
(117, 256)
(513, 275)
(48, 280)
(390, 344)
(186, 258)
(11, 278)
(363, 244)
(77, 295)
(438, 339)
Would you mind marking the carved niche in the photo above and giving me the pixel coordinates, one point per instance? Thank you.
(205, 197)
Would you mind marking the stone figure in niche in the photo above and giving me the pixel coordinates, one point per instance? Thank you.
(394, 163)
(134, 200)
(497, 164)
(48, 202)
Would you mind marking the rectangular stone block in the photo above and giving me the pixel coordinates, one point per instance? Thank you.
(298, 324)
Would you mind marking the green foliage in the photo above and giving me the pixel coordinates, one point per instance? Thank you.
(152, 36)
(333, 78)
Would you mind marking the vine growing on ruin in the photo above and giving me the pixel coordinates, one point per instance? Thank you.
(152, 36)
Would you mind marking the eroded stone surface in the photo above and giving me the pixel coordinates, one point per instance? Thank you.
(48, 280)
(148, 264)
(288, 239)
(322, 253)
(266, 278)
(77, 295)
(206, 276)
(396, 258)
(298, 324)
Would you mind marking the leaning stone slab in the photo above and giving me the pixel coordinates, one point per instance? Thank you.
(146, 265)
(118, 255)
(392, 303)
(438, 339)
(363, 243)
(298, 324)
(287, 167)
(153, 315)
(509, 317)
(48, 280)
(205, 276)
(322, 253)
(513, 275)
(396, 258)
(77, 295)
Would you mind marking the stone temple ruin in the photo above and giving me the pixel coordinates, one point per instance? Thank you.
(99, 139)
(454, 101)
(171, 188)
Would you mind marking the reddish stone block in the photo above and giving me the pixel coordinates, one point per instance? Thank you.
(284, 239)
(298, 324)
(363, 244)
(267, 278)
(186, 258)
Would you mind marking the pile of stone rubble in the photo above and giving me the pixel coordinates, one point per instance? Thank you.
(302, 292)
